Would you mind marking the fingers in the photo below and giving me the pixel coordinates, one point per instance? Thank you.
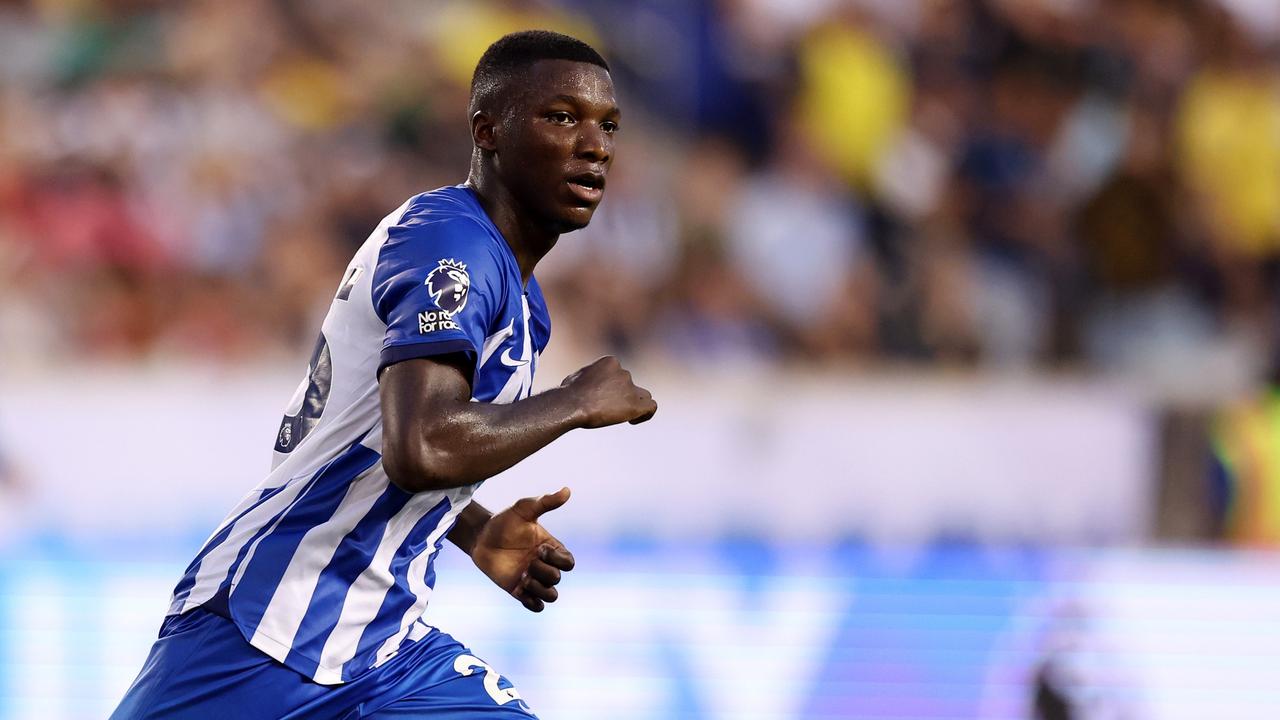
(648, 408)
(534, 590)
(537, 587)
(647, 416)
(549, 566)
(531, 508)
(534, 595)
(544, 573)
(609, 395)
(556, 556)
(551, 501)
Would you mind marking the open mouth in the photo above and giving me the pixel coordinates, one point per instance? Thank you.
(588, 187)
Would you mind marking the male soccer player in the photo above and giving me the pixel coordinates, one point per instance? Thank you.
(307, 601)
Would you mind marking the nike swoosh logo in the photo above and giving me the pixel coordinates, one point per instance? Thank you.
(510, 361)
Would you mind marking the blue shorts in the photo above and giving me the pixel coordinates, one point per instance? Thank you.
(202, 667)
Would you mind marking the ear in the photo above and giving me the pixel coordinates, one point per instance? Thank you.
(483, 131)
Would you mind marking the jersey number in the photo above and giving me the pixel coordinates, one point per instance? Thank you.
(468, 664)
(293, 428)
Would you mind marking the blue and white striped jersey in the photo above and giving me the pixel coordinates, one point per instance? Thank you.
(326, 566)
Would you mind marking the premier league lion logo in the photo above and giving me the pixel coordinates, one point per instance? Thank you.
(449, 285)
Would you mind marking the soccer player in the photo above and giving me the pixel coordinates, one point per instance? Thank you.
(306, 602)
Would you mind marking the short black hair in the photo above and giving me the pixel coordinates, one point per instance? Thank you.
(518, 50)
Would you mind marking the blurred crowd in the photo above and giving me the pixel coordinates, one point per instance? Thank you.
(993, 183)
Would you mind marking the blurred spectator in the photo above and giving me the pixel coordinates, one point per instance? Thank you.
(797, 241)
(1246, 466)
(853, 92)
(974, 182)
(15, 497)
(1140, 312)
(711, 313)
(462, 30)
(1229, 148)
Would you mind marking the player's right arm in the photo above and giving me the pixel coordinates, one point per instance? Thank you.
(440, 286)
(435, 437)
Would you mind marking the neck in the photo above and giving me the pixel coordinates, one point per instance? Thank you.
(529, 240)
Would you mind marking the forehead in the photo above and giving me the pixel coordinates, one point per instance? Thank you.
(546, 80)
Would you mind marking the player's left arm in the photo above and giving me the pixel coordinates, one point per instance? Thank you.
(514, 550)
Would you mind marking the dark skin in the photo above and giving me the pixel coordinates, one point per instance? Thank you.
(539, 164)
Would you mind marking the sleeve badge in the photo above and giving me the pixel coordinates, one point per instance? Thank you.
(449, 285)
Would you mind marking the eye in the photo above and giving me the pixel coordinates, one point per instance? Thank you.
(609, 126)
(560, 118)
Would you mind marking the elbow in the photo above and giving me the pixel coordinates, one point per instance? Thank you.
(423, 470)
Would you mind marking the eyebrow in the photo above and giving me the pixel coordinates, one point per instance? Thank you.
(613, 109)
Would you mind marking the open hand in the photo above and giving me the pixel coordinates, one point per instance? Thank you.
(520, 555)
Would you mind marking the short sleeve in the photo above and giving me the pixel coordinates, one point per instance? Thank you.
(436, 286)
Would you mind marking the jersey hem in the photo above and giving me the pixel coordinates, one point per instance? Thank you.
(277, 650)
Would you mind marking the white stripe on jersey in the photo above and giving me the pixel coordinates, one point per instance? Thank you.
(419, 630)
(217, 563)
(520, 383)
(179, 605)
(289, 604)
(365, 596)
(494, 341)
(418, 585)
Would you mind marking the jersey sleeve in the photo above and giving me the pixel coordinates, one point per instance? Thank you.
(436, 286)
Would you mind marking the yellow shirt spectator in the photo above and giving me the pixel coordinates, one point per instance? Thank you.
(1246, 440)
(463, 30)
(854, 97)
(1229, 133)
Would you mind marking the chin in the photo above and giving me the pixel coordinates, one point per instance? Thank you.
(576, 219)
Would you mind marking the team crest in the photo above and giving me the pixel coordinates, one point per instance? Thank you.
(449, 285)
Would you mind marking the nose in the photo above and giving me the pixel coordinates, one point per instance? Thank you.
(594, 144)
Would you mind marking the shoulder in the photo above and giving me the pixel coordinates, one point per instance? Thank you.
(442, 247)
(443, 225)
(448, 215)
(453, 206)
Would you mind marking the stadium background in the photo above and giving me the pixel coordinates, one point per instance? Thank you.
(963, 316)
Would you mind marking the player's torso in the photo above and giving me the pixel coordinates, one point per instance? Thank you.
(326, 522)
(338, 398)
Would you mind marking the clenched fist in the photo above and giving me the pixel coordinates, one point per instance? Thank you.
(608, 396)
